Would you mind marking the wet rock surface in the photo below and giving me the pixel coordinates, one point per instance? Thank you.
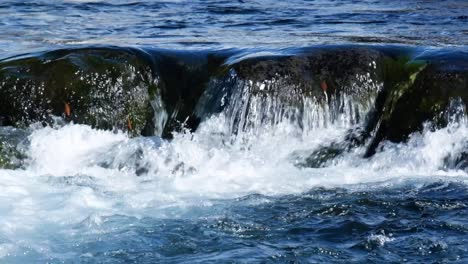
(106, 88)
(13, 143)
(423, 94)
(385, 93)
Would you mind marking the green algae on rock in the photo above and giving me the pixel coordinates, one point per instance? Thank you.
(422, 94)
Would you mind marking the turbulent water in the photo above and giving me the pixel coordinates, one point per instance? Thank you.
(92, 195)
(235, 189)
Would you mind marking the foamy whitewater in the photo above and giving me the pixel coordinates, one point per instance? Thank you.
(275, 104)
(76, 177)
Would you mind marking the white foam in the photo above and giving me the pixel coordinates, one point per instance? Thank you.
(209, 163)
(6, 249)
(76, 172)
(65, 151)
(380, 239)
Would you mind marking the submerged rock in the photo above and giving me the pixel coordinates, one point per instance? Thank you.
(13, 144)
(325, 154)
(321, 156)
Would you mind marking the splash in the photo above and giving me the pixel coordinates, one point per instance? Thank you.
(75, 174)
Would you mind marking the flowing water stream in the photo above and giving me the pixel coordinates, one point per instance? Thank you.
(246, 183)
(93, 195)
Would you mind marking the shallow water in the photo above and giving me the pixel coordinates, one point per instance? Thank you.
(234, 189)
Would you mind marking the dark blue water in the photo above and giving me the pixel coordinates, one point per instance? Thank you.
(417, 222)
(420, 222)
(413, 222)
(203, 199)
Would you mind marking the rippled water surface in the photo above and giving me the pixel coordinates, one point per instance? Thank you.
(45, 24)
(83, 195)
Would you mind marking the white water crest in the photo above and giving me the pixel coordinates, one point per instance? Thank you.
(75, 173)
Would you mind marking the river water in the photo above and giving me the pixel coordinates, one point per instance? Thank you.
(85, 195)
(47, 24)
